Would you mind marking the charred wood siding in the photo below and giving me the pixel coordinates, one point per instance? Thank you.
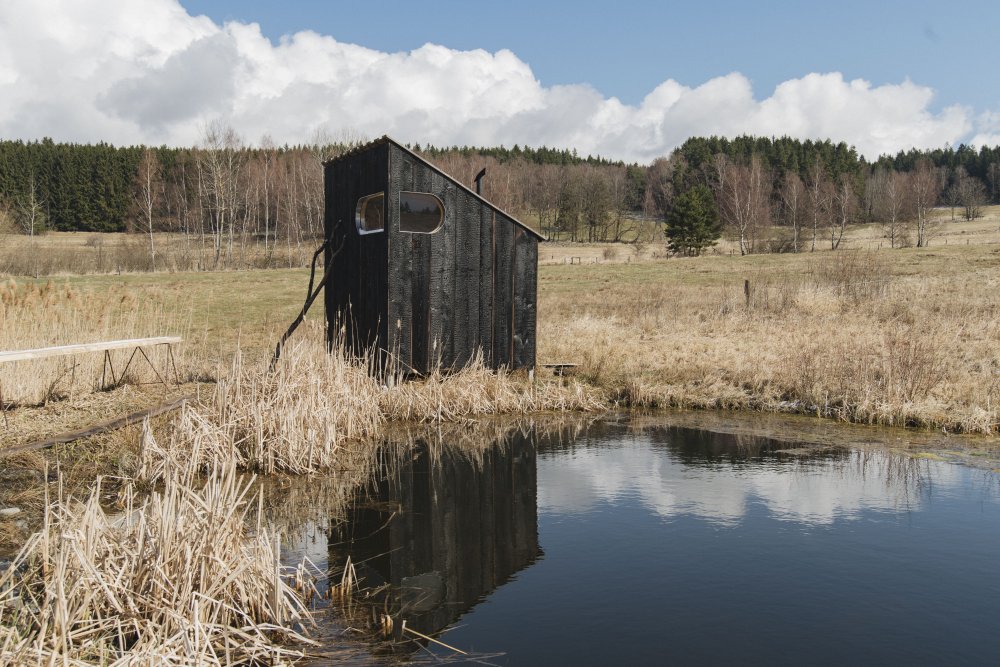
(467, 289)
(356, 288)
(525, 293)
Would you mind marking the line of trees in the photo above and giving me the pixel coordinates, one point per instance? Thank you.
(786, 195)
(768, 194)
(223, 194)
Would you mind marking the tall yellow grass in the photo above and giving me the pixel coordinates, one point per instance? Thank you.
(316, 410)
(41, 315)
(863, 336)
(186, 576)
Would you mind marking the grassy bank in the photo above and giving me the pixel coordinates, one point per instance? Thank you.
(901, 337)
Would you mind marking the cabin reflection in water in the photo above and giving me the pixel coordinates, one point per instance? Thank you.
(444, 530)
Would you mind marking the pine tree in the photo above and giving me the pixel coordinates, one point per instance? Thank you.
(693, 222)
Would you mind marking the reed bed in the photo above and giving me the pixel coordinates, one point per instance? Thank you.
(316, 410)
(185, 576)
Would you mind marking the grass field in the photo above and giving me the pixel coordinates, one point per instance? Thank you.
(78, 253)
(904, 336)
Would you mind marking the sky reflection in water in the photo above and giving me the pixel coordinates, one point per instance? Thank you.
(666, 545)
(625, 468)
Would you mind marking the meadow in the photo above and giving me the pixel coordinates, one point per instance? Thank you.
(900, 338)
(903, 337)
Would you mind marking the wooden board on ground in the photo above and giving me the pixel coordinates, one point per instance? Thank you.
(102, 427)
(66, 350)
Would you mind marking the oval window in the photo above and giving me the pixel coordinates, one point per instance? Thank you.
(420, 212)
(370, 215)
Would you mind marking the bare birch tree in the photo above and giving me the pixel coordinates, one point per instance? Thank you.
(30, 215)
(267, 166)
(818, 190)
(221, 163)
(743, 195)
(893, 206)
(147, 196)
(969, 193)
(660, 185)
(793, 195)
(925, 188)
(845, 207)
(31, 209)
(622, 202)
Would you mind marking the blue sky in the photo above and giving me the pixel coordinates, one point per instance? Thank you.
(626, 48)
(626, 80)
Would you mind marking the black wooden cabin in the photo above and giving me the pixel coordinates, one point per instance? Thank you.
(422, 270)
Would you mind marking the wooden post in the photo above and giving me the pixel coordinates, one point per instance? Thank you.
(746, 292)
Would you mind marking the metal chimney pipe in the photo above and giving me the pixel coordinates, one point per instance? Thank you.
(479, 181)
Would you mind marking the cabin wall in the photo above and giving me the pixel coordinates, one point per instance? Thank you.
(525, 291)
(469, 287)
(356, 264)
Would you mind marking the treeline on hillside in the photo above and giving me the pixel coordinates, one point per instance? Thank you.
(778, 195)
(232, 196)
(543, 155)
(226, 194)
(771, 194)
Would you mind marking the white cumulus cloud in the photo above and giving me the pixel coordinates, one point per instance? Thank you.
(131, 71)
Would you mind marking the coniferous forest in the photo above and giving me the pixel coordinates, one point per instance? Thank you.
(770, 194)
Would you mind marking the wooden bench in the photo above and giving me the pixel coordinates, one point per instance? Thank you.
(136, 344)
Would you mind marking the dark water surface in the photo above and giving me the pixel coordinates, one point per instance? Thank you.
(665, 545)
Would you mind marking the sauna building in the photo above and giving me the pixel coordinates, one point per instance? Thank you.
(422, 270)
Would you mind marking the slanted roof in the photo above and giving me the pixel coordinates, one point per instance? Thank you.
(457, 183)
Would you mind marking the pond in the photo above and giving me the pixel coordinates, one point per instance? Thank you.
(644, 543)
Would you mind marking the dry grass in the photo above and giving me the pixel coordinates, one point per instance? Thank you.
(904, 337)
(897, 337)
(46, 314)
(297, 419)
(313, 411)
(78, 253)
(182, 578)
(946, 233)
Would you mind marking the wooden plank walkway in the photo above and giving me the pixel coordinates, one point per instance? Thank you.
(102, 427)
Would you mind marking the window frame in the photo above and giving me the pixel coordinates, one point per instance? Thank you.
(363, 206)
(440, 205)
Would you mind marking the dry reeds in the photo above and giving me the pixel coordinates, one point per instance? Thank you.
(316, 408)
(180, 578)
